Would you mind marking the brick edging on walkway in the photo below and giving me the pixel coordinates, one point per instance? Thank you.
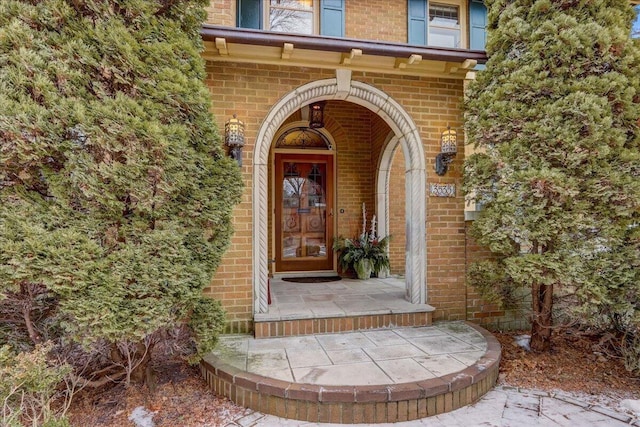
(357, 404)
(296, 327)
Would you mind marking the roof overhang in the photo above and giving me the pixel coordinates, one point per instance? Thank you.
(262, 47)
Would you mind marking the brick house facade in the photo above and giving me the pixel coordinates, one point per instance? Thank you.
(392, 81)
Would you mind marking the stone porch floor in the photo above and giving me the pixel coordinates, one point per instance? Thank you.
(339, 306)
(346, 297)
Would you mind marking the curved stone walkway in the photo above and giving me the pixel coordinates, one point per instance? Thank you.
(382, 375)
(501, 407)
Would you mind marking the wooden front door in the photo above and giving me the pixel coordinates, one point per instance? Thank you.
(304, 212)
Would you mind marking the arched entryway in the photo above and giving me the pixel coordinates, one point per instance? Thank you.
(407, 136)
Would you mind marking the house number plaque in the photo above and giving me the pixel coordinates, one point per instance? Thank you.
(442, 190)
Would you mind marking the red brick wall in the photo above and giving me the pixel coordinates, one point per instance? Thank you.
(355, 175)
(222, 12)
(379, 133)
(384, 20)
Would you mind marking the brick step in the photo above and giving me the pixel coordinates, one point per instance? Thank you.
(266, 328)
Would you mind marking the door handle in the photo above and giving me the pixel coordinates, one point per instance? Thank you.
(331, 212)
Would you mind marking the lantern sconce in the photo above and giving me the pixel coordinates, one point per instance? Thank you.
(234, 138)
(448, 150)
(316, 111)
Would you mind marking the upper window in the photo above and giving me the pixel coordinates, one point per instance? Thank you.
(444, 25)
(324, 17)
(447, 23)
(635, 29)
(292, 16)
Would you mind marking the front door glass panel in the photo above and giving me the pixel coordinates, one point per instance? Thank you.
(303, 213)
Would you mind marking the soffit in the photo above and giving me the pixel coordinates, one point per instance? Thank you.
(259, 47)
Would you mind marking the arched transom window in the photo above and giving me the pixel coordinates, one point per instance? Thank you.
(303, 138)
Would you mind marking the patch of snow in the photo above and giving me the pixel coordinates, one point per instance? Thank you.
(523, 341)
(249, 420)
(631, 405)
(617, 402)
(142, 417)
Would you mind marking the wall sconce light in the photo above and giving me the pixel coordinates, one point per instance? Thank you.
(316, 111)
(234, 138)
(448, 150)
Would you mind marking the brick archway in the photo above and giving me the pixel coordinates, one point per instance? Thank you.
(406, 133)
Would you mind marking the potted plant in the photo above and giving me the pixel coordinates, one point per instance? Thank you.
(366, 253)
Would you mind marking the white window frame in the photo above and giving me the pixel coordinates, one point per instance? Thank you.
(266, 18)
(463, 17)
(431, 26)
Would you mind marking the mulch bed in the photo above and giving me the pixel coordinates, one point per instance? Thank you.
(577, 363)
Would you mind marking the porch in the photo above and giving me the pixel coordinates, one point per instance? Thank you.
(338, 306)
(352, 351)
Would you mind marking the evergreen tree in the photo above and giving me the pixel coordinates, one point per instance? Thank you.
(115, 194)
(555, 119)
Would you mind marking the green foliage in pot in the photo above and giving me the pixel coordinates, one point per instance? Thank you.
(367, 246)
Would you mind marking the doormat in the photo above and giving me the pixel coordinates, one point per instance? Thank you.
(312, 279)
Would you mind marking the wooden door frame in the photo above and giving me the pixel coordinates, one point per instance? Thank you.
(331, 192)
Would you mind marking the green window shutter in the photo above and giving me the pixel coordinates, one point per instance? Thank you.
(250, 14)
(417, 12)
(332, 18)
(477, 25)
